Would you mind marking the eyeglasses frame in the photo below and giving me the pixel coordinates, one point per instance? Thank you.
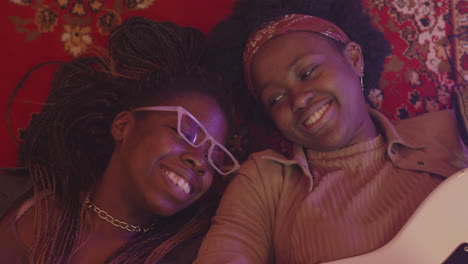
(180, 112)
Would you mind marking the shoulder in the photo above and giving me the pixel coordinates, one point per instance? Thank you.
(267, 155)
(439, 124)
(434, 126)
(264, 162)
(12, 250)
(430, 120)
(269, 170)
(14, 186)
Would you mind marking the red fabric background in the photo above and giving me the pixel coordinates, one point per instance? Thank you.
(19, 55)
(419, 76)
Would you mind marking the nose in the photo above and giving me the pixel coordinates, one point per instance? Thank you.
(195, 159)
(300, 98)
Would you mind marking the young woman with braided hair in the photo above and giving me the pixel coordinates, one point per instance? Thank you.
(123, 154)
(353, 178)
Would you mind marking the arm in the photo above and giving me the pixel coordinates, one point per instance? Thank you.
(241, 231)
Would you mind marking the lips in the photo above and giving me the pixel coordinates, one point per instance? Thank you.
(179, 182)
(313, 118)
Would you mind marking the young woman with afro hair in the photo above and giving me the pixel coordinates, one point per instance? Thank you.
(353, 178)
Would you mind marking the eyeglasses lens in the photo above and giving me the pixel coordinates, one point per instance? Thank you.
(196, 135)
(191, 131)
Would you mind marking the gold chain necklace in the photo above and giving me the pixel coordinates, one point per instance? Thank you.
(116, 222)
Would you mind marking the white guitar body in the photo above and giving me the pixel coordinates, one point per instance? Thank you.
(436, 229)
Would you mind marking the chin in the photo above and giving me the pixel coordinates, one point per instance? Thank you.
(168, 212)
(165, 209)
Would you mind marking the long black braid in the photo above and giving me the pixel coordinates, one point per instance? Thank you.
(67, 146)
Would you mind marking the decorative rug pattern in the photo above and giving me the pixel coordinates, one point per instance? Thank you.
(418, 76)
(459, 39)
(77, 20)
(429, 59)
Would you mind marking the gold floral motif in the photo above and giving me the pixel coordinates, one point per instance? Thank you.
(46, 19)
(431, 104)
(76, 39)
(108, 22)
(78, 18)
(63, 3)
(95, 5)
(22, 2)
(414, 78)
(443, 95)
(380, 4)
(138, 4)
(78, 8)
(376, 97)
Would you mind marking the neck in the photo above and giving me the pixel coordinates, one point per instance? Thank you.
(112, 196)
(367, 130)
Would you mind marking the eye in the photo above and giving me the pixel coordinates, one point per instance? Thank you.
(308, 72)
(217, 162)
(217, 156)
(275, 99)
(190, 136)
(177, 135)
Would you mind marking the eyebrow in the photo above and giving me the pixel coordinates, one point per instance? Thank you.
(295, 61)
(291, 65)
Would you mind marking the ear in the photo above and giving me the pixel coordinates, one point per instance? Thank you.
(353, 54)
(121, 125)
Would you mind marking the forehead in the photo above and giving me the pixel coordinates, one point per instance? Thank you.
(204, 108)
(284, 49)
(301, 41)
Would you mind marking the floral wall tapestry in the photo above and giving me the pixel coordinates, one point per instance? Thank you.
(429, 59)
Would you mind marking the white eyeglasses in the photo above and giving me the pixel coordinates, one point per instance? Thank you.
(195, 134)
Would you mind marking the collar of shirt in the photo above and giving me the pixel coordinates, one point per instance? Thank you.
(392, 137)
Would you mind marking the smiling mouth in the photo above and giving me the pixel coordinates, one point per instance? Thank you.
(178, 181)
(316, 115)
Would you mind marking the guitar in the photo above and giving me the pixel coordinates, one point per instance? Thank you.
(436, 233)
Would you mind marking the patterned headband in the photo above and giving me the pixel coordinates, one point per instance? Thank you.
(287, 24)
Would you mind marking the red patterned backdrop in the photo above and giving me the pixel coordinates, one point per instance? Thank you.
(428, 37)
(35, 31)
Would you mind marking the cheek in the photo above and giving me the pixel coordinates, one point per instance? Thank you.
(282, 117)
(160, 142)
(206, 182)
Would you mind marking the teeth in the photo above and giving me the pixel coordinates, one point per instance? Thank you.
(317, 115)
(180, 182)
